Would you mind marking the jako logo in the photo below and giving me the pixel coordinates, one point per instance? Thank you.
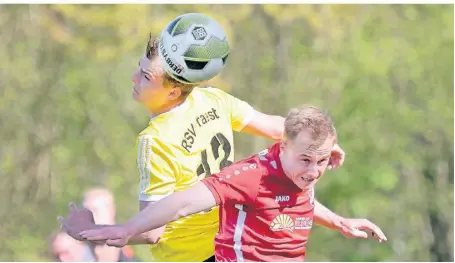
(282, 198)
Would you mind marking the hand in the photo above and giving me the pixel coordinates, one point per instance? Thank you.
(361, 228)
(117, 236)
(78, 219)
(336, 157)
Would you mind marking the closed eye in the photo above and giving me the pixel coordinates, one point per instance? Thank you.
(306, 161)
(146, 77)
(322, 161)
(143, 72)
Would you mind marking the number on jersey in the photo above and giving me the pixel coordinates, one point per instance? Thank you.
(215, 143)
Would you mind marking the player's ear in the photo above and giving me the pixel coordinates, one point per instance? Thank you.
(175, 93)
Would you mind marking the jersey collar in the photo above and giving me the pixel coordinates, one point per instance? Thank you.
(180, 108)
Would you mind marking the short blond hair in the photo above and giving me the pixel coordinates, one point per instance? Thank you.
(311, 119)
(151, 52)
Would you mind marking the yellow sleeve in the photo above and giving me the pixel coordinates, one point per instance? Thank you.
(240, 112)
(156, 169)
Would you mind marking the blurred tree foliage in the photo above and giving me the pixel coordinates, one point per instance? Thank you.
(385, 73)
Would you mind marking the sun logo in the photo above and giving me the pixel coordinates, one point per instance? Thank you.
(282, 222)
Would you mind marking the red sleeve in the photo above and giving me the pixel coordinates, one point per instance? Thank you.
(237, 183)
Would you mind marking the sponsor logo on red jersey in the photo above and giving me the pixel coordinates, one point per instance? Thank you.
(303, 223)
(282, 222)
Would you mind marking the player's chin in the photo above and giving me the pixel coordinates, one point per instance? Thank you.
(307, 184)
(136, 96)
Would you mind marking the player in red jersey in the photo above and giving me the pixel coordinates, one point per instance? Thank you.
(266, 201)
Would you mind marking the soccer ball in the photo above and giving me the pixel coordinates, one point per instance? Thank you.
(193, 48)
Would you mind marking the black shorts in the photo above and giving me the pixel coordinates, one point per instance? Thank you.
(210, 259)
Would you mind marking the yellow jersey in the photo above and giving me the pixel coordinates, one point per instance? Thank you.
(181, 147)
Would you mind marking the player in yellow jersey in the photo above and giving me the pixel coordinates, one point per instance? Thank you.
(189, 137)
(176, 150)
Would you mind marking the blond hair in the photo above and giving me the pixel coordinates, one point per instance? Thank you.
(311, 119)
(151, 51)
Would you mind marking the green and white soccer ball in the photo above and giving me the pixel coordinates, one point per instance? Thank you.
(193, 48)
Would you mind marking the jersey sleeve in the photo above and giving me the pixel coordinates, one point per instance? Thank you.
(240, 112)
(236, 184)
(157, 171)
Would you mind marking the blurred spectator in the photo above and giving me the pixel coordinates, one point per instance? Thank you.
(101, 202)
(64, 248)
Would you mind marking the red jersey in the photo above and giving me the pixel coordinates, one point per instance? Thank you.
(264, 216)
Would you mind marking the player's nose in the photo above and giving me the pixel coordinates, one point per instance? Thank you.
(312, 173)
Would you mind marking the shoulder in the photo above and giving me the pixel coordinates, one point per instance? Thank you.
(153, 142)
(271, 153)
(237, 183)
(149, 132)
(251, 169)
(163, 130)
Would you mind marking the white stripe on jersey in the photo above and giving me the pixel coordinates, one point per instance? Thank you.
(238, 233)
(144, 164)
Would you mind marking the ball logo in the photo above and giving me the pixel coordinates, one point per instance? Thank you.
(176, 67)
(174, 47)
(199, 33)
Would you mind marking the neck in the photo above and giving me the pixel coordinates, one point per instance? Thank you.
(165, 108)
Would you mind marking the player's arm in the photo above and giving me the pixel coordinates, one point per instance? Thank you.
(349, 227)
(269, 126)
(149, 237)
(180, 204)
(218, 189)
(157, 180)
(244, 118)
(324, 217)
(195, 199)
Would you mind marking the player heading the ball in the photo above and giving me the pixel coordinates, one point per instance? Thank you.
(266, 201)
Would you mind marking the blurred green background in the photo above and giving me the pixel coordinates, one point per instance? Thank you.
(385, 73)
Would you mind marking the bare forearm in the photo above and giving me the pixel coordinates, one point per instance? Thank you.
(324, 217)
(278, 131)
(140, 239)
(146, 238)
(155, 216)
(193, 200)
(268, 126)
